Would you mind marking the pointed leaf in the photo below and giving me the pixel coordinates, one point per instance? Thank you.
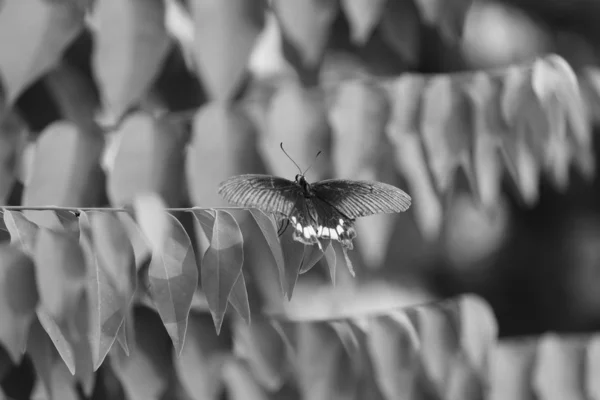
(58, 338)
(66, 170)
(394, 346)
(109, 296)
(403, 133)
(239, 298)
(225, 33)
(23, 232)
(206, 220)
(77, 336)
(19, 299)
(61, 273)
(363, 16)
(42, 354)
(222, 145)
(559, 368)
(293, 255)
(149, 158)
(33, 35)
(173, 277)
(269, 231)
(131, 43)
(312, 255)
(330, 257)
(446, 129)
(305, 26)
(145, 373)
(263, 348)
(199, 366)
(298, 118)
(63, 384)
(222, 264)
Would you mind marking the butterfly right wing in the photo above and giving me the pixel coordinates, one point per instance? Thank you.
(268, 193)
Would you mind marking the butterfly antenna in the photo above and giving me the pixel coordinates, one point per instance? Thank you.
(288, 156)
(312, 162)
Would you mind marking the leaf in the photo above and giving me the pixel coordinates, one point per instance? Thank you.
(269, 231)
(114, 249)
(206, 220)
(42, 354)
(33, 35)
(263, 348)
(66, 170)
(394, 345)
(446, 129)
(225, 34)
(222, 145)
(152, 219)
(324, 368)
(559, 368)
(403, 133)
(240, 383)
(63, 384)
(141, 249)
(144, 374)
(19, 299)
(330, 257)
(298, 118)
(13, 139)
(173, 277)
(58, 338)
(77, 336)
(200, 364)
(312, 255)
(401, 27)
(511, 370)
(60, 221)
(131, 44)
(447, 16)
(293, 255)
(238, 298)
(305, 26)
(149, 158)
(489, 129)
(110, 296)
(222, 264)
(23, 232)
(61, 273)
(363, 17)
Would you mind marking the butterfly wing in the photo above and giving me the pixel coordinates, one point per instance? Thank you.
(267, 193)
(356, 199)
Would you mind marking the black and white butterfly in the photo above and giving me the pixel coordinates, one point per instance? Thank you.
(322, 210)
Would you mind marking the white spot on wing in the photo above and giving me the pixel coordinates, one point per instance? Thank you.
(319, 230)
(339, 229)
(325, 233)
(333, 234)
(299, 227)
(293, 220)
(311, 230)
(341, 222)
(306, 233)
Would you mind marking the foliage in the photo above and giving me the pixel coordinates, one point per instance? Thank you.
(115, 121)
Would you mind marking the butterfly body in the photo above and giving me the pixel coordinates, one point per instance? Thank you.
(322, 210)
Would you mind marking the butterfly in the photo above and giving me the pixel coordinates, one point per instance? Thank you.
(325, 209)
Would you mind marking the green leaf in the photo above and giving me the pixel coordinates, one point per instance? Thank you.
(58, 338)
(223, 144)
(363, 17)
(238, 298)
(330, 258)
(199, 367)
(263, 348)
(61, 273)
(66, 170)
(145, 373)
(269, 231)
(130, 46)
(33, 36)
(173, 277)
(42, 354)
(149, 158)
(19, 299)
(222, 264)
(13, 136)
(110, 296)
(78, 337)
(23, 232)
(305, 27)
(141, 248)
(225, 34)
(206, 219)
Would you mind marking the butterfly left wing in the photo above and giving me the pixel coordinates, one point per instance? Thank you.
(268, 193)
(355, 199)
